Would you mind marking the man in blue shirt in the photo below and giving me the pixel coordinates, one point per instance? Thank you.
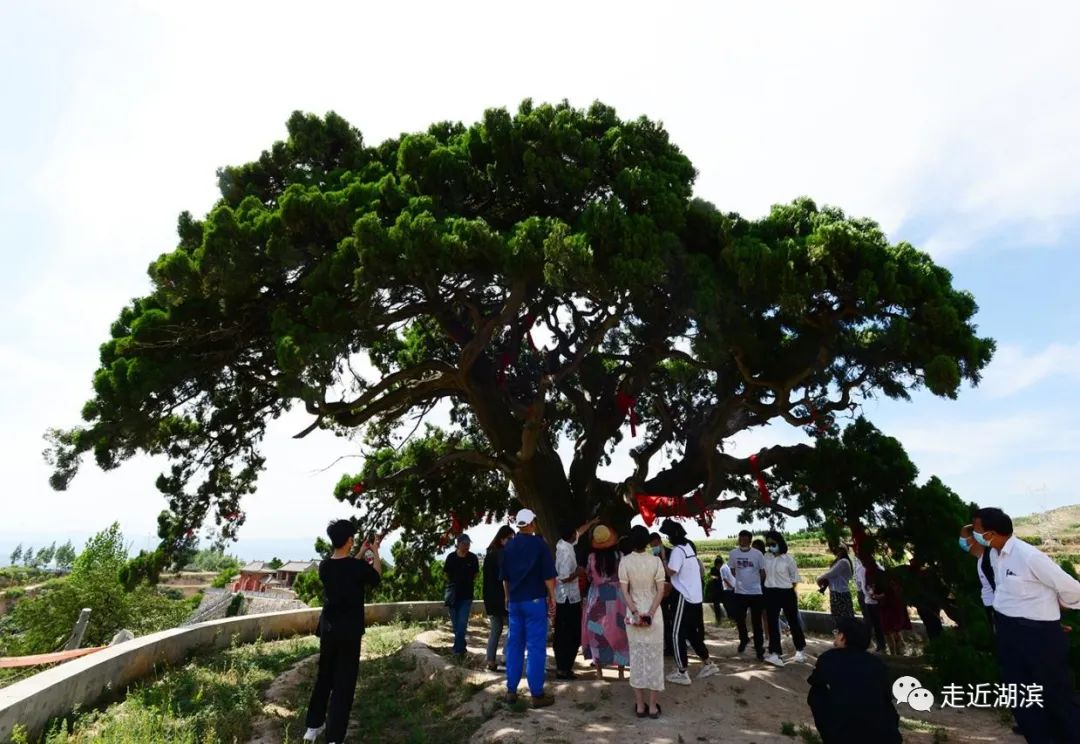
(528, 576)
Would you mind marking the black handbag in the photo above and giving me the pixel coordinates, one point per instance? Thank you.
(449, 595)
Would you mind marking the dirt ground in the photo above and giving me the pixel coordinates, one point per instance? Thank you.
(746, 702)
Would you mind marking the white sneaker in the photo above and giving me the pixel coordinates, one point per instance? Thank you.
(708, 669)
(775, 660)
(313, 733)
(678, 678)
(799, 657)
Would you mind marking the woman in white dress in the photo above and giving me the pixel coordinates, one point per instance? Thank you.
(642, 578)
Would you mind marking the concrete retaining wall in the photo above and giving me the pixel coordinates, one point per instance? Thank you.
(106, 674)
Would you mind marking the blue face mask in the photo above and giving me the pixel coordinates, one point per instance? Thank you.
(774, 548)
(964, 546)
(980, 539)
(657, 550)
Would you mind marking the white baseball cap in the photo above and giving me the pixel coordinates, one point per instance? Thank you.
(525, 517)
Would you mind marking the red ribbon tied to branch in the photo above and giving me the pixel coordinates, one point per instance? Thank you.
(455, 524)
(626, 404)
(651, 506)
(762, 488)
(358, 487)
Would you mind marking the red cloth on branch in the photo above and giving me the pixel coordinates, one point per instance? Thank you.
(762, 488)
(455, 524)
(651, 506)
(626, 404)
(358, 487)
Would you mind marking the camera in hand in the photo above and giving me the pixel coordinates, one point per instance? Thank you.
(645, 619)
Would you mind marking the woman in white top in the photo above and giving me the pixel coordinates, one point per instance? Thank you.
(837, 580)
(781, 578)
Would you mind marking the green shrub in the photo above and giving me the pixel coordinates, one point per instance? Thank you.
(1033, 540)
(224, 578)
(813, 601)
(813, 560)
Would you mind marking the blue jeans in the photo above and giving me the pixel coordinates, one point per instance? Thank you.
(459, 620)
(528, 630)
(494, 635)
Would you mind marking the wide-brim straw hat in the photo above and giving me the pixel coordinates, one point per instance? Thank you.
(603, 537)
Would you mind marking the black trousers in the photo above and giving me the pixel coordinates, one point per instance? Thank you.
(755, 603)
(787, 601)
(1035, 652)
(666, 608)
(335, 684)
(872, 616)
(567, 636)
(688, 624)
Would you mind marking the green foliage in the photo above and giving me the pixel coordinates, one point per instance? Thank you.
(1032, 539)
(787, 728)
(807, 560)
(212, 699)
(41, 623)
(813, 601)
(213, 559)
(65, 555)
(275, 563)
(308, 587)
(224, 578)
(236, 604)
(432, 255)
(16, 554)
(21, 576)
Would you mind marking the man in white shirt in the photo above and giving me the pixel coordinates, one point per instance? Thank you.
(1032, 647)
(566, 639)
(748, 565)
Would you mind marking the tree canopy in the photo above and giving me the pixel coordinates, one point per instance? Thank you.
(548, 279)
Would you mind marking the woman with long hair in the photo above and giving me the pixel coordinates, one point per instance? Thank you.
(781, 578)
(642, 578)
(837, 579)
(603, 621)
(494, 597)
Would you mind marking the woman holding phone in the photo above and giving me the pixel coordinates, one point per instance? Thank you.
(642, 578)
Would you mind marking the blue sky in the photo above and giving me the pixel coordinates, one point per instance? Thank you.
(953, 126)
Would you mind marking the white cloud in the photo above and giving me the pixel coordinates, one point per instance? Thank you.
(1015, 369)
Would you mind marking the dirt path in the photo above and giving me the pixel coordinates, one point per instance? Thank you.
(746, 702)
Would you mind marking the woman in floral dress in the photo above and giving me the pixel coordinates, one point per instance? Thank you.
(603, 621)
(642, 578)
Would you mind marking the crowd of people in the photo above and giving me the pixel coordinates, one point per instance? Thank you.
(626, 603)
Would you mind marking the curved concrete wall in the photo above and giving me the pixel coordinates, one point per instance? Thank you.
(92, 679)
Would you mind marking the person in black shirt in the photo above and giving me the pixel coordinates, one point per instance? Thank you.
(850, 695)
(341, 628)
(494, 596)
(461, 569)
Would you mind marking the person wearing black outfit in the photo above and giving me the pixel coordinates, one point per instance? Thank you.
(850, 695)
(494, 596)
(341, 628)
(461, 569)
(656, 547)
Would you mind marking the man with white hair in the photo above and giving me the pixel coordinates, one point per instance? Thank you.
(528, 576)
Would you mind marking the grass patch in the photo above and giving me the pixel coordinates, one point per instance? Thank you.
(809, 735)
(787, 728)
(212, 699)
(938, 734)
